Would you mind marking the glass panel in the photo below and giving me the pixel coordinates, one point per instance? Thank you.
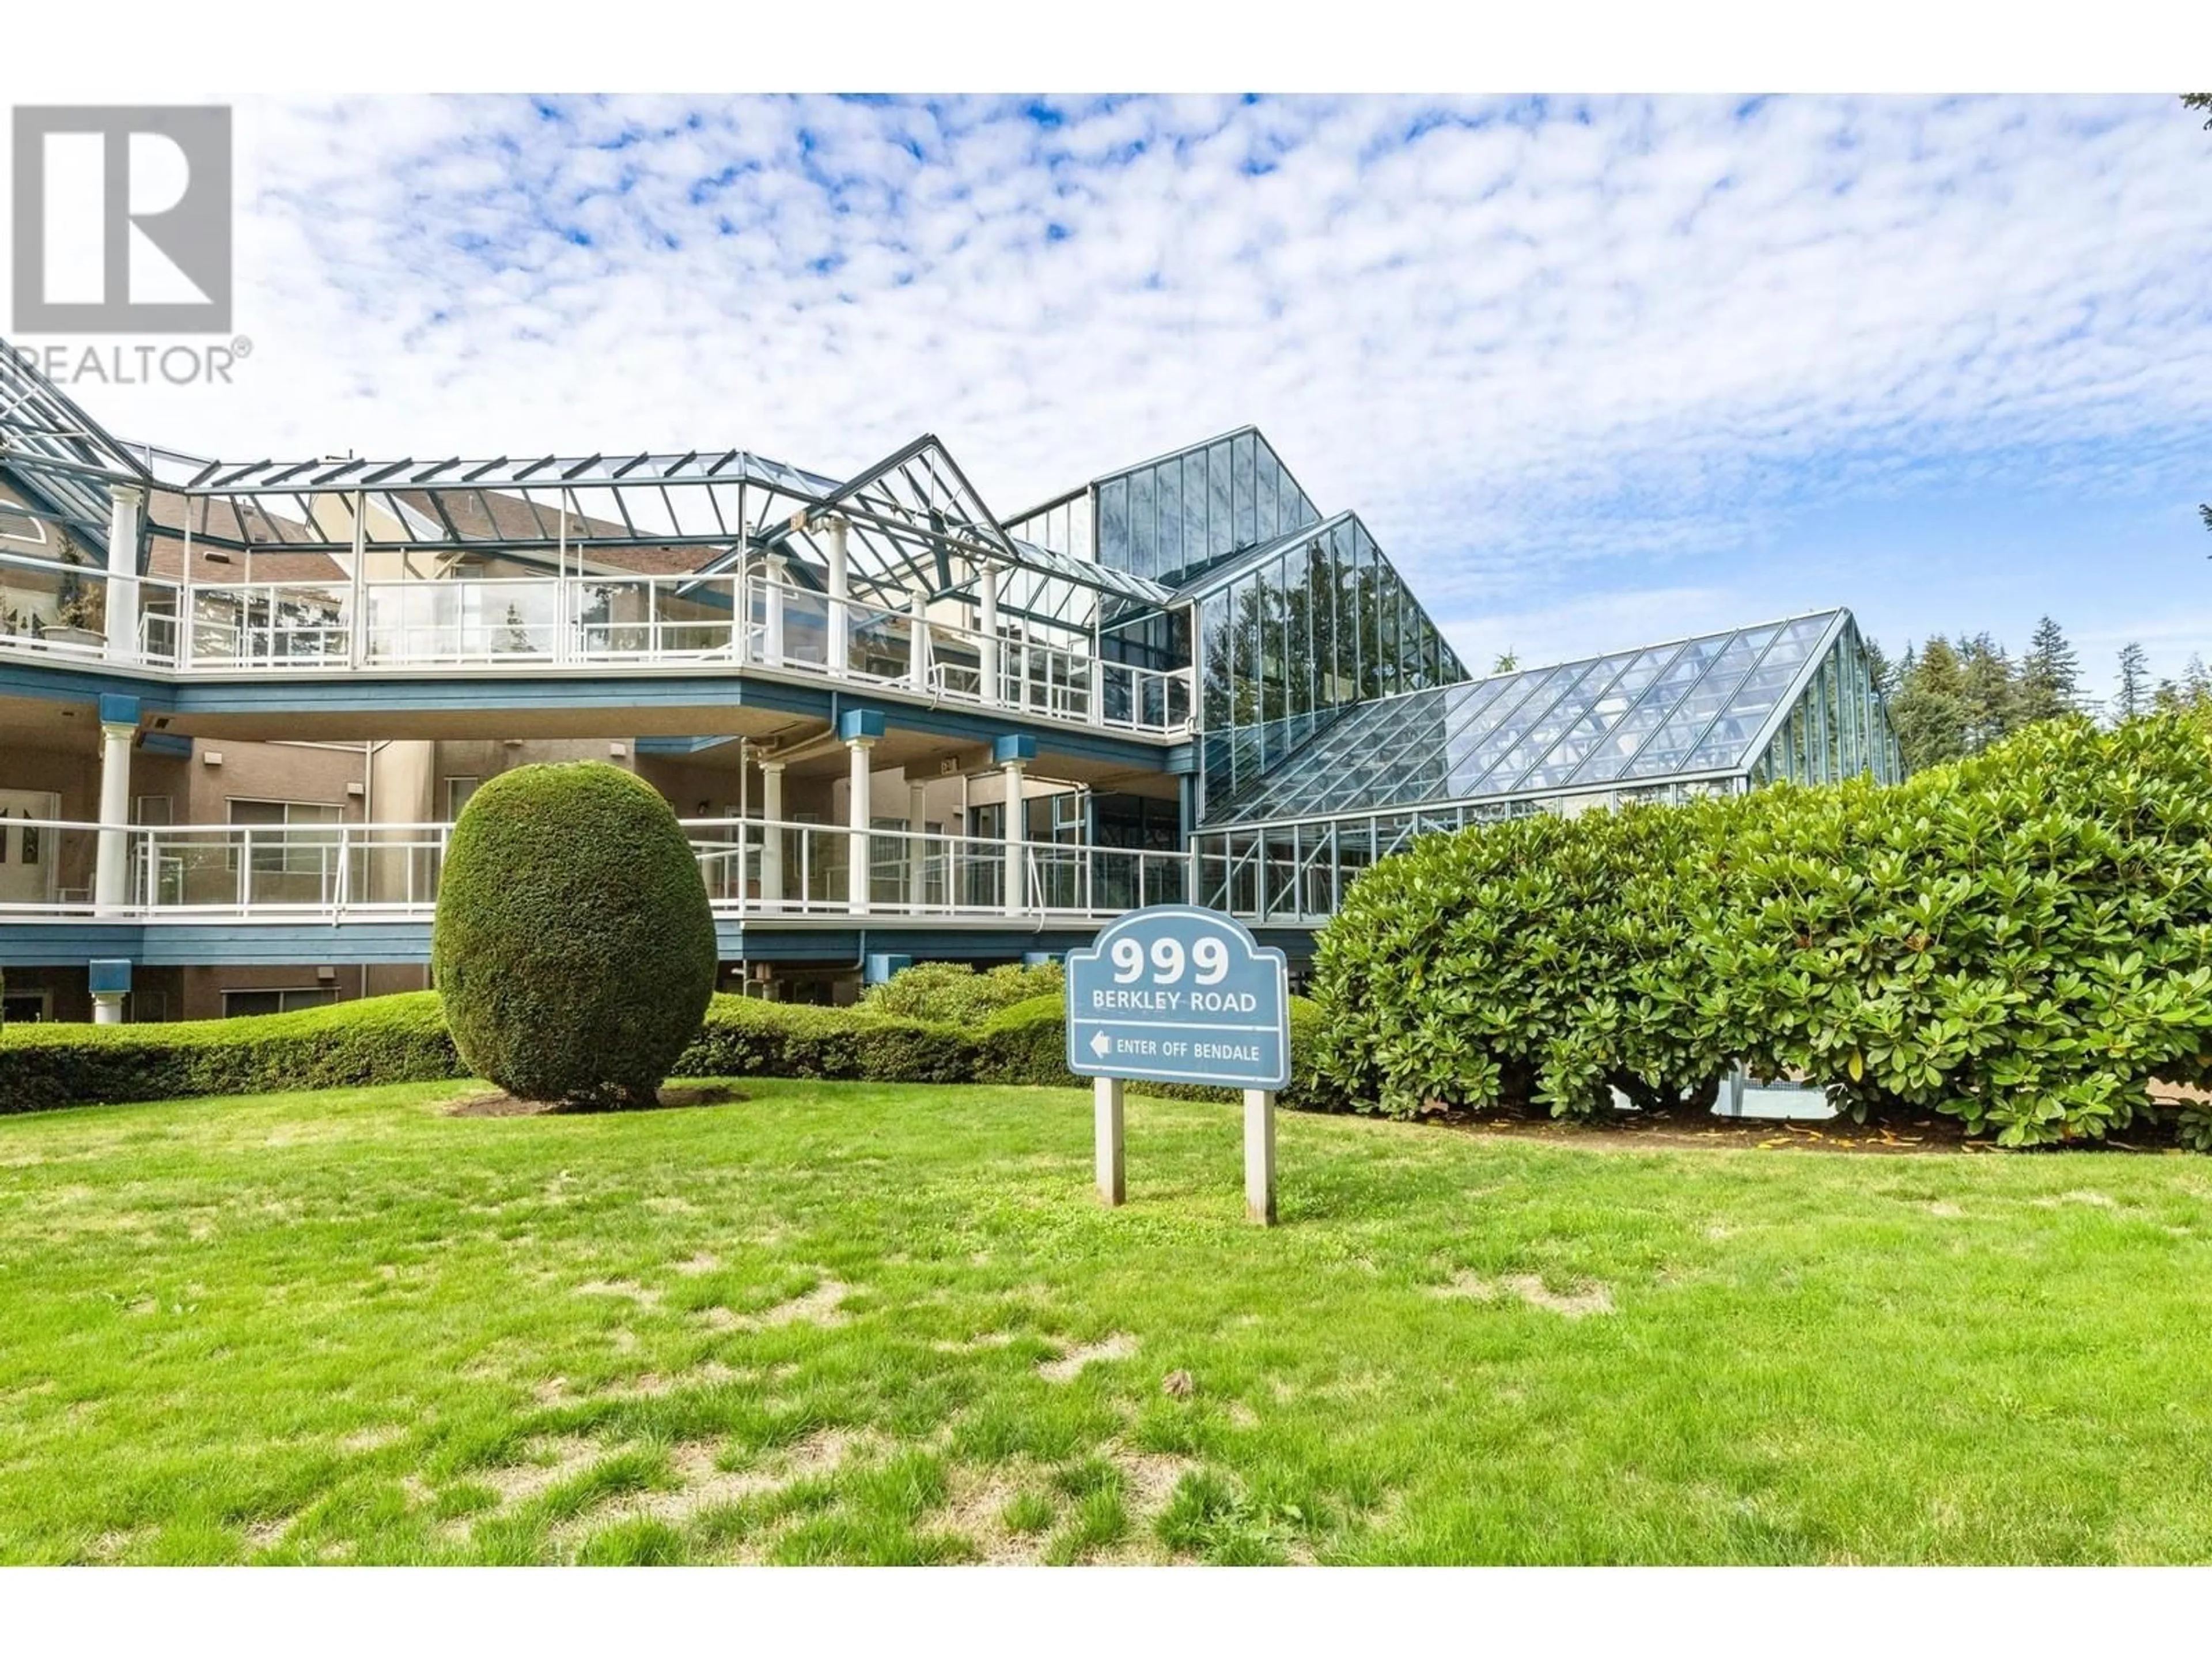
(1344, 555)
(1167, 493)
(1220, 534)
(1274, 669)
(1299, 638)
(1195, 547)
(1584, 719)
(1114, 523)
(1243, 520)
(1144, 542)
(1524, 737)
(1619, 745)
(1748, 711)
(1672, 744)
(1243, 694)
(1386, 626)
(1217, 667)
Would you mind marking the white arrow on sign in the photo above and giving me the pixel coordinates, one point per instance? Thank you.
(1101, 1044)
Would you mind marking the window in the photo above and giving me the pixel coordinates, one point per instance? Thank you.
(24, 1007)
(17, 525)
(458, 791)
(298, 850)
(286, 811)
(152, 809)
(237, 1003)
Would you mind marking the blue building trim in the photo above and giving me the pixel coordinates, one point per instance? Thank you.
(651, 699)
(79, 682)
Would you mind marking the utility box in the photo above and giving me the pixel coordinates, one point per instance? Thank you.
(1743, 1096)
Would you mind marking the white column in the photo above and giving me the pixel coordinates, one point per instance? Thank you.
(772, 612)
(1106, 1113)
(107, 1008)
(987, 625)
(917, 661)
(564, 611)
(771, 832)
(357, 635)
(110, 880)
(839, 650)
(917, 824)
(125, 504)
(1260, 1156)
(856, 820)
(1017, 893)
(182, 654)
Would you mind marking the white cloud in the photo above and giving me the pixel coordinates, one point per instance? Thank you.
(1527, 343)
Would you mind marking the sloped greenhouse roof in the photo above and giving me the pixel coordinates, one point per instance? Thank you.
(1687, 708)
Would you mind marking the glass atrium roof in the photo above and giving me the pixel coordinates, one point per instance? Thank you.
(1685, 708)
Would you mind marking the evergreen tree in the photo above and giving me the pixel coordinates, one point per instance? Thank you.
(1989, 695)
(1929, 709)
(2135, 682)
(1880, 669)
(1508, 662)
(2050, 675)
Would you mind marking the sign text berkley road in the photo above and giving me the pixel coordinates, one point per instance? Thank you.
(1177, 994)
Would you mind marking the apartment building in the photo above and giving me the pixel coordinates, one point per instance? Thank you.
(239, 703)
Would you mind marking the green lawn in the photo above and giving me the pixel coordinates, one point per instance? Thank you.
(862, 1323)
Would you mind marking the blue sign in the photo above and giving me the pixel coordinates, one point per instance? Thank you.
(1177, 994)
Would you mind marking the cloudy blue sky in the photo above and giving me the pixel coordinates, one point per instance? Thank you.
(1594, 371)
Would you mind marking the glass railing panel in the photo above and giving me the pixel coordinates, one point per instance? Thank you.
(47, 605)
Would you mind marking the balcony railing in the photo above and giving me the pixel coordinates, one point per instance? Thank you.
(525, 624)
(752, 870)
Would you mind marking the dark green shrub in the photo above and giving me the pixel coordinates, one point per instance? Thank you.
(743, 1036)
(2022, 939)
(955, 993)
(1541, 959)
(1027, 1043)
(574, 945)
(395, 1039)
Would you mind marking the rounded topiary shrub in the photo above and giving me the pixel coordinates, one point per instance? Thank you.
(573, 946)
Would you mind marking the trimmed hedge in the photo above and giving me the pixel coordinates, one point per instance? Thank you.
(392, 1039)
(404, 1039)
(743, 1037)
(2022, 941)
(954, 993)
(573, 946)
